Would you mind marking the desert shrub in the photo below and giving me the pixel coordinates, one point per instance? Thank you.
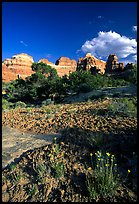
(79, 77)
(123, 106)
(98, 96)
(20, 104)
(84, 88)
(130, 75)
(102, 178)
(43, 68)
(5, 104)
(47, 102)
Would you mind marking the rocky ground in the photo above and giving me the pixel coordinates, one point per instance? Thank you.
(20, 142)
(57, 172)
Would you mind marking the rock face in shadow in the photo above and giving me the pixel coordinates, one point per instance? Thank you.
(113, 65)
(91, 63)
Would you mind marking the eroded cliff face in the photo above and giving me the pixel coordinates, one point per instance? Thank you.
(65, 61)
(18, 65)
(91, 63)
(113, 65)
(45, 61)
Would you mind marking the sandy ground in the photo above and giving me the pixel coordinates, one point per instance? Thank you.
(15, 142)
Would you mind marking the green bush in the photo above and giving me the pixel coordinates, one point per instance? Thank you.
(47, 102)
(5, 104)
(123, 106)
(20, 104)
(84, 88)
(98, 96)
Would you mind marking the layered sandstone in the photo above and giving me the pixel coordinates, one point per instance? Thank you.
(63, 65)
(18, 65)
(45, 61)
(65, 61)
(91, 63)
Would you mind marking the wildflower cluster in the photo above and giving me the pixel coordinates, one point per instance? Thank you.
(57, 161)
(103, 180)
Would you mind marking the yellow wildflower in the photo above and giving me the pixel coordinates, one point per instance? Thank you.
(51, 158)
(108, 154)
(106, 164)
(91, 154)
(129, 171)
(89, 168)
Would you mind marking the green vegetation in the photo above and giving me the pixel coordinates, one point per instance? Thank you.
(102, 178)
(20, 104)
(38, 88)
(123, 106)
(57, 164)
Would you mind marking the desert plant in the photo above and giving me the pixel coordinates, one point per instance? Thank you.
(97, 139)
(84, 88)
(17, 177)
(122, 106)
(41, 172)
(102, 178)
(20, 104)
(47, 102)
(12, 166)
(56, 161)
(32, 190)
(5, 104)
(58, 169)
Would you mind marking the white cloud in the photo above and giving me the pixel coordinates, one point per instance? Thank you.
(134, 28)
(99, 17)
(48, 56)
(109, 43)
(23, 43)
(131, 58)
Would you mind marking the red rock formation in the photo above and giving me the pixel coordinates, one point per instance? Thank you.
(62, 70)
(63, 65)
(65, 61)
(18, 65)
(45, 61)
(91, 63)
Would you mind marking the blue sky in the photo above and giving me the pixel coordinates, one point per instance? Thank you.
(70, 29)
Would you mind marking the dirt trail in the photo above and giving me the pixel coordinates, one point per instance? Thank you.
(15, 142)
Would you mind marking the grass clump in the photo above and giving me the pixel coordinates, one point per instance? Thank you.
(56, 160)
(41, 171)
(102, 178)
